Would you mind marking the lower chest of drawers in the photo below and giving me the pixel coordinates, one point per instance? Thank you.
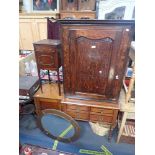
(77, 112)
(93, 114)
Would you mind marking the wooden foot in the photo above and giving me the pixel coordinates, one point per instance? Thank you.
(40, 81)
(110, 134)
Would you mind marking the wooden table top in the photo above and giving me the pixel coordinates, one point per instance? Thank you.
(52, 42)
(50, 91)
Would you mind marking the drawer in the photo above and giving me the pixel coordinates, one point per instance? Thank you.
(44, 48)
(46, 60)
(78, 116)
(77, 108)
(45, 104)
(102, 111)
(101, 118)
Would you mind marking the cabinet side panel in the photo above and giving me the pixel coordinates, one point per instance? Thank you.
(122, 59)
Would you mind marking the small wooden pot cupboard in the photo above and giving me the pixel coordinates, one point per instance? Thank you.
(47, 53)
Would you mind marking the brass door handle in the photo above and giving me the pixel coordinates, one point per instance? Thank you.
(100, 72)
(117, 77)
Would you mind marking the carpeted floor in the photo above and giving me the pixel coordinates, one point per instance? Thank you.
(30, 134)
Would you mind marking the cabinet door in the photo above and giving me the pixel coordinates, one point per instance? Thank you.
(26, 34)
(30, 31)
(93, 55)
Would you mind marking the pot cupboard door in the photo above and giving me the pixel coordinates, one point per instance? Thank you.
(93, 55)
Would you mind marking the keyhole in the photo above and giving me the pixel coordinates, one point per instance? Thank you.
(100, 72)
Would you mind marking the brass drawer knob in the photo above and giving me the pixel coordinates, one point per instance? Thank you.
(102, 112)
(117, 77)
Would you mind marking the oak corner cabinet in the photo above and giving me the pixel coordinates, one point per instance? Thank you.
(95, 54)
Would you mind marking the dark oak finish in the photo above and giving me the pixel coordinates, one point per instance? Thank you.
(53, 28)
(47, 53)
(95, 54)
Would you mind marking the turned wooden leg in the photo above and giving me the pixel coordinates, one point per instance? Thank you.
(110, 133)
(40, 80)
(59, 86)
(49, 76)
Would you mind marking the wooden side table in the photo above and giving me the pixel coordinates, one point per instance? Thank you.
(47, 53)
(50, 99)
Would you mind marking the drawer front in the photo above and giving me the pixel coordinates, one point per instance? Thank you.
(101, 118)
(77, 108)
(46, 60)
(44, 48)
(78, 116)
(102, 111)
(45, 104)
